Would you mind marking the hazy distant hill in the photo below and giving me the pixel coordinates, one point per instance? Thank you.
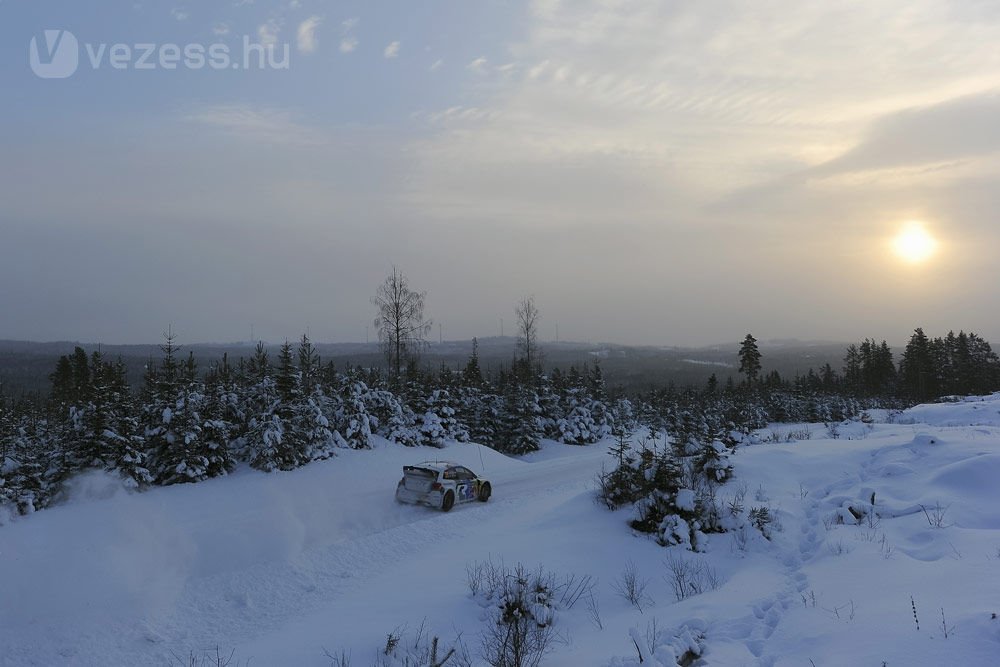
(25, 366)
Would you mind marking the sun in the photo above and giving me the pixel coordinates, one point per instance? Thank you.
(914, 244)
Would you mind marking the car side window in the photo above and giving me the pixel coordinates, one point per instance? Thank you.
(451, 473)
(464, 473)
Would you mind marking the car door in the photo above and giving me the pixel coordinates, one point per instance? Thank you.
(465, 488)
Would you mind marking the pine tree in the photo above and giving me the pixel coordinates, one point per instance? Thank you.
(81, 375)
(472, 376)
(179, 448)
(440, 422)
(310, 421)
(983, 373)
(598, 404)
(221, 421)
(258, 403)
(622, 434)
(32, 468)
(259, 367)
(352, 419)
(392, 419)
(749, 359)
(309, 366)
(63, 385)
(519, 433)
(8, 462)
(286, 378)
(916, 368)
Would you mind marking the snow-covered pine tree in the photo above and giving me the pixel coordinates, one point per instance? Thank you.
(352, 419)
(550, 390)
(263, 433)
(479, 409)
(113, 422)
(577, 426)
(519, 432)
(33, 467)
(275, 441)
(667, 509)
(178, 450)
(221, 421)
(311, 406)
(310, 365)
(310, 420)
(443, 404)
(392, 419)
(8, 464)
(600, 411)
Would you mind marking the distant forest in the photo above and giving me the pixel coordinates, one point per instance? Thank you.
(25, 366)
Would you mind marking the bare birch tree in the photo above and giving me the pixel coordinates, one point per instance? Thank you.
(400, 322)
(527, 327)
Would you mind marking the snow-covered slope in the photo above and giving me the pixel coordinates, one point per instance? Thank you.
(283, 567)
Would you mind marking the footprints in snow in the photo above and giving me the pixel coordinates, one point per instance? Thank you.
(810, 541)
(766, 616)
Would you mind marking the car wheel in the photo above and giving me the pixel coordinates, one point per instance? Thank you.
(484, 492)
(448, 502)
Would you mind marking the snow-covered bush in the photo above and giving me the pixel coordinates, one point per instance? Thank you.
(657, 482)
(657, 648)
(521, 611)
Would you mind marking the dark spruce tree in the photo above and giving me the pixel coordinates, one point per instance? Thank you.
(749, 359)
(472, 375)
(519, 432)
(916, 368)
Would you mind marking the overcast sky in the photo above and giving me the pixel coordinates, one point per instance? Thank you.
(653, 172)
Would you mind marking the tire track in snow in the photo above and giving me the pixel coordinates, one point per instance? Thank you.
(235, 606)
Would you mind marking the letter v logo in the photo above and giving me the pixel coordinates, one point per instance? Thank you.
(55, 56)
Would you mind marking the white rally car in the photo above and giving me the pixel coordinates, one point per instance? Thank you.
(441, 484)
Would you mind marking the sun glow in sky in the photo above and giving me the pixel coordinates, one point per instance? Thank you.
(914, 243)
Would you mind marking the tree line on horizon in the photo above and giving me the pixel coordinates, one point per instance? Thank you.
(929, 368)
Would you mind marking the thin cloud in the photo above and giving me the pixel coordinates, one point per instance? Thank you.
(954, 130)
(478, 65)
(391, 51)
(179, 14)
(253, 123)
(306, 34)
(268, 32)
(220, 29)
(436, 66)
(348, 41)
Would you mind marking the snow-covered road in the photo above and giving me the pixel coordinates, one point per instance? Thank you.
(276, 565)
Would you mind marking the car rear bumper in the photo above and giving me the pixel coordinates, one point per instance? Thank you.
(429, 498)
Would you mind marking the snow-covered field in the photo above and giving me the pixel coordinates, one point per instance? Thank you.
(283, 568)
